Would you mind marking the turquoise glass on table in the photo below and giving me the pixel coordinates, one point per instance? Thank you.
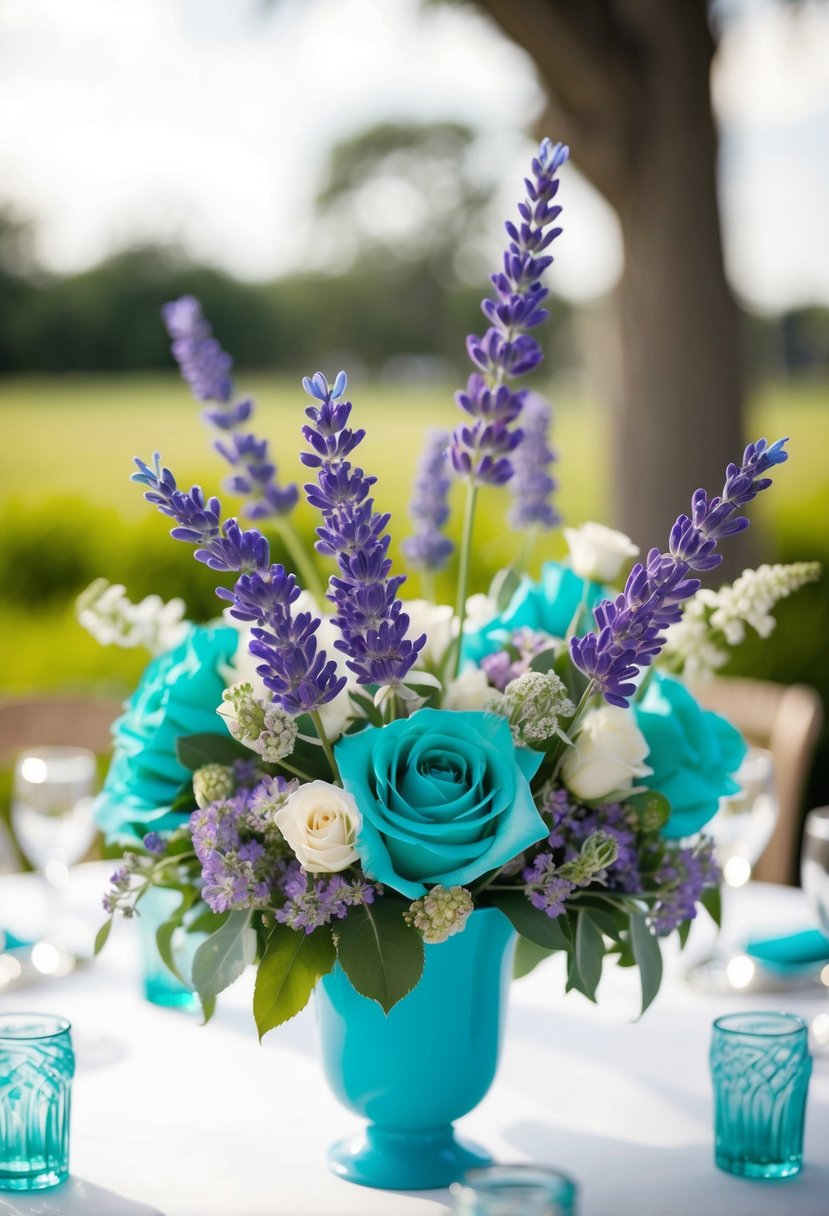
(394, 788)
(515, 1190)
(760, 1069)
(37, 1064)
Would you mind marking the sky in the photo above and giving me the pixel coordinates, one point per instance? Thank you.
(208, 122)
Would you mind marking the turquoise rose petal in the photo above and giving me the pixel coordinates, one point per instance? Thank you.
(692, 751)
(403, 777)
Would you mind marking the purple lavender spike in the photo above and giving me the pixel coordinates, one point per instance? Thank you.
(632, 626)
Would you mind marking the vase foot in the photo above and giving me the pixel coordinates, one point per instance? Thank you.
(404, 1160)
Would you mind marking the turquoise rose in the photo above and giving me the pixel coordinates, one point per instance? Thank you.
(178, 695)
(548, 605)
(444, 798)
(693, 753)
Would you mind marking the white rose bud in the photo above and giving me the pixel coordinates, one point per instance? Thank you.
(608, 754)
(438, 622)
(598, 553)
(320, 822)
(470, 691)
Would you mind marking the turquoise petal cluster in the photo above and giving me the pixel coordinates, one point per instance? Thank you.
(549, 606)
(693, 753)
(177, 696)
(444, 797)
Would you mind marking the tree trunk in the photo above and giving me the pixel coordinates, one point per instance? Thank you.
(628, 82)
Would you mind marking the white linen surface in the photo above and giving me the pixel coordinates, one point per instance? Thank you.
(171, 1117)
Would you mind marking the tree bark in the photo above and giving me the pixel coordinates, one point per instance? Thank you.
(628, 82)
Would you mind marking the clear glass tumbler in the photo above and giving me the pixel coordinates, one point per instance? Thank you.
(515, 1190)
(760, 1068)
(160, 985)
(37, 1064)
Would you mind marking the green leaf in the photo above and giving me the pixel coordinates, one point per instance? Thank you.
(712, 902)
(648, 957)
(587, 957)
(207, 922)
(605, 919)
(527, 957)
(290, 967)
(652, 808)
(545, 660)
(381, 955)
(224, 955)
(102, 935)
(193, 751)
(184, 799)
(208, 1008)
(165, 931)
(551, 933)
(682, 933)
(503, 587)
(367, 707)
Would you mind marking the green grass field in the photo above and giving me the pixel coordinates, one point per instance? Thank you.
(70, 441)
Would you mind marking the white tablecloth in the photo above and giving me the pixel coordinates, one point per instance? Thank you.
(196, 1121)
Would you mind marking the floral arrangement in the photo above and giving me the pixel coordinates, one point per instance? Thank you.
(380, 768)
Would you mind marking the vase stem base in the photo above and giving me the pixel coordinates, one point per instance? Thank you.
(404, 1160)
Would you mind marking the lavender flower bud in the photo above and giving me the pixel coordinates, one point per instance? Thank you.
(598, 851)
(440, 913)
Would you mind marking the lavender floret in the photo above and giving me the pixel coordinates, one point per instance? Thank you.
(206, 368)
(429, 549)
(368, 613)
(532, 484)
(482, 449)
(631, 627)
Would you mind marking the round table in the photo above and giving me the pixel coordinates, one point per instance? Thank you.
(172, 1117)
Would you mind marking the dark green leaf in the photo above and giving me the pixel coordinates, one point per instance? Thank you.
(683, 932)
(208, 1008)
(207, 922)
(367, 707)
(605, 919)
(381, 955)
(102, 935)
(165, 932)
(652, 809)
(193, 751)
(527, 957)
(712, 902)
(648, 957)
(587, 956)
(308, 757)
(290, 967)
(552, 933)
(184, 799)
(224, 955)
(545, 660)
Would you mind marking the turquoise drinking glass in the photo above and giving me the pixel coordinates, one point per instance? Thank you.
(161, 987)
(515, 1190)
(36, 1069)
(760, 1067)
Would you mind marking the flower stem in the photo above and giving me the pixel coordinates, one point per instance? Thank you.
(302, 563)
(463, 568)
(326, 746)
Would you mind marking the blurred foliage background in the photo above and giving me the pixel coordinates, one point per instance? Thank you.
(87, 382)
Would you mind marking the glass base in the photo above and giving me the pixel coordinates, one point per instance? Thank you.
(171, 996)
(404, 1160)
(39, 1178)
(760, 1169)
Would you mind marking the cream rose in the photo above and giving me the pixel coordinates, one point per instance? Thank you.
(471, 690)
(320, 822)
(607, 756)
(438, 622)
(598, 553)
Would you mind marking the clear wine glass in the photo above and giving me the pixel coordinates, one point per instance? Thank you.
(814, 878)
(52, 808)
(741, 829)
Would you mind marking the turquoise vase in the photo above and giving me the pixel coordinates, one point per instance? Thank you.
(412, 1072)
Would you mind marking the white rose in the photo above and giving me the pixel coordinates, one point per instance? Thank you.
(607, 756)
(598, 553)
(470, 690)
(438, 622)
(320, 822)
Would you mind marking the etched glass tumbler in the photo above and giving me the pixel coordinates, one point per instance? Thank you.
(514, 1190)
(36, 1069)
(760, 1067)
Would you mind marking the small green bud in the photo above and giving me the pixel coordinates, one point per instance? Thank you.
(440, 913)
(211, 783)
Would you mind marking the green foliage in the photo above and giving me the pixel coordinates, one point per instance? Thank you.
(194, 751)
(102, 936)
(584, 968)
(291, 965)
(222, 958)
(551, 933)
(381, 955)
(648, 957)
(527, 957)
